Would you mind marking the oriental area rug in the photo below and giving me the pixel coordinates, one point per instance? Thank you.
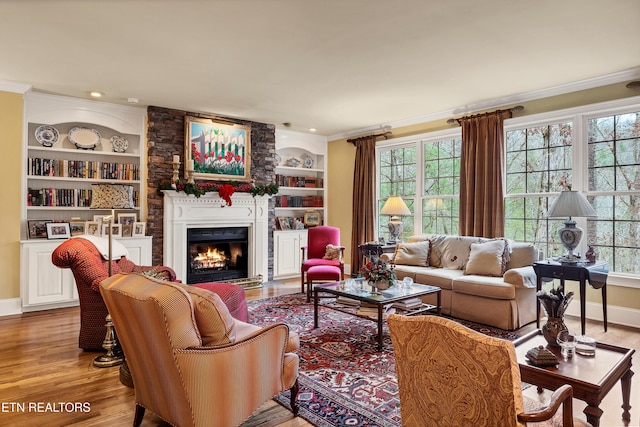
(344, 380)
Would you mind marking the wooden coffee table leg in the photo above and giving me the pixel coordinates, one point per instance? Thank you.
(625, 382)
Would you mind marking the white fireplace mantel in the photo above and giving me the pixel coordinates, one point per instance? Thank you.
(183, 211)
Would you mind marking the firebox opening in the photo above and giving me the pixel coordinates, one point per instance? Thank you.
(217, 254)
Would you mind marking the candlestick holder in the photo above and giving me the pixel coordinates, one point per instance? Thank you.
(190, 176)
(174, 178)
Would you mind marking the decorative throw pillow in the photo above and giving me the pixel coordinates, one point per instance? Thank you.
(487, 259)
(332, 252)
(453, 251)
(212, 317)
(412, 254)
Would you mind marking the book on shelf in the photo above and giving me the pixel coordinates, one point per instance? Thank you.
(408, 304)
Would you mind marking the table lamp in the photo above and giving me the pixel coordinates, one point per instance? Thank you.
(110, 196)
(395, 207)
(570, 204)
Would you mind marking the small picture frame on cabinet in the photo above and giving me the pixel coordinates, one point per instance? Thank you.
(92, 228)
(116, 230)
(284, 223)
(139, 229)
(37, 229)
(311, 219)
(77, 228)
(58, 230)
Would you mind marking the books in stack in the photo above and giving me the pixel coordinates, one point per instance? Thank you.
(347, 301)
(371, 310)
(408, 304)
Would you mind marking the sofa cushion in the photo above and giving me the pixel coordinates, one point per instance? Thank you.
(484, 286)
(522, 255)
(450, 252)
(412, 254)
(487, 258)
(440, 277)
(214, 321)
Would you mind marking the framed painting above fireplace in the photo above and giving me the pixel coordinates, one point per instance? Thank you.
(217, 150)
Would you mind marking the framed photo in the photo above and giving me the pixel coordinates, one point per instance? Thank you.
(311, 219)
(126, 221)
(37, 229)
(116, 230)
(58, 230)
(139, 229)
(284, 223)
(92, 228)
(217, 150)
(77, 228)
(98, 218)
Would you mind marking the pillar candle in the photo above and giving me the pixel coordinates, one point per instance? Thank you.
(176, 158)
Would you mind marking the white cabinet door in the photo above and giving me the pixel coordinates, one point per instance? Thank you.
(43, 285)
(139, 249)
(287, 252)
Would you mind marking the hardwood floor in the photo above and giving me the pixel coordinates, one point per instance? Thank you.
(41, 364)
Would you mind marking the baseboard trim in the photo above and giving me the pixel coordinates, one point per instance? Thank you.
(615, 314)
(10, 306)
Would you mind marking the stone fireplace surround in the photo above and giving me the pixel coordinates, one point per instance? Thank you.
(183, 211)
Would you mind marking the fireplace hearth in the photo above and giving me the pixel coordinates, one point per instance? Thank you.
(215, 254)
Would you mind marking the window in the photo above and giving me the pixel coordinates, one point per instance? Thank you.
(537, 158)
(397, 177)
(440, 207)
(614, 186)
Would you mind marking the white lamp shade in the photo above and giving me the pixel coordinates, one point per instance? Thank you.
(571, 204)
(395, 206)
(112, 196)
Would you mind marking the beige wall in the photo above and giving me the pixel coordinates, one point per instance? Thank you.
(10, 193)
(342, 157)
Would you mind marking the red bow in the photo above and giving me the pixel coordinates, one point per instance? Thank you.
(225, 192)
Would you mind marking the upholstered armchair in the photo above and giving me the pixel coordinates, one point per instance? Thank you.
(317, 251)
(451, 375)
(89, 267)
(193, 364)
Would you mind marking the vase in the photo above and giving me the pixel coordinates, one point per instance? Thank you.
(380, 285)
(552, 328)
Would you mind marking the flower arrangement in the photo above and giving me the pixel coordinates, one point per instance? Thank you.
(378, 271)
(555, 302)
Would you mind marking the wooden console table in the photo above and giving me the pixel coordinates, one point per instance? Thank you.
(596, 273)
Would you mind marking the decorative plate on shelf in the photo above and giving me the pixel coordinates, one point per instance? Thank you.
(47, 135)
(119, 143)
(84, 138)
(308, 162)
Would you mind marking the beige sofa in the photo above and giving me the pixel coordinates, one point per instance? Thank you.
(489, 281)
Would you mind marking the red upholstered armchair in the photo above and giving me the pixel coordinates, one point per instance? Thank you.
(315, 253)
(89, 268)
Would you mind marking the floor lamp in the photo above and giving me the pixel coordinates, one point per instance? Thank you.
(110, 196)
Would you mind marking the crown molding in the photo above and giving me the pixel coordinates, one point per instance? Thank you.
(6, 86)
(618, 77)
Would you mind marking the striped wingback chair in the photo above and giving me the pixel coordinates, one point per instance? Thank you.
(450, 375)
(192, 363)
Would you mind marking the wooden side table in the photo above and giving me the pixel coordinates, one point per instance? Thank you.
(596, 273)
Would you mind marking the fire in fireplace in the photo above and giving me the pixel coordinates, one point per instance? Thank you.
(216, 254)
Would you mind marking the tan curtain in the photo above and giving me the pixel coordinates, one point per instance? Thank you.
(362, 213)
(481, 170)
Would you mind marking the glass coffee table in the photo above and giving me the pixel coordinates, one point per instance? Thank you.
(379, 301)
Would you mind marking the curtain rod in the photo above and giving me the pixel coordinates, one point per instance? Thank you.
(385, 135)
(515, 109)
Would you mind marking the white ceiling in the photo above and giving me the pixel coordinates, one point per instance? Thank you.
(335, 65)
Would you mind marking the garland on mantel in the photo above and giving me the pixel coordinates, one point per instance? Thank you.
(224, 189)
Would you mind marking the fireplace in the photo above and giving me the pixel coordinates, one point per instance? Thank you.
(215, 254)
(185, 213)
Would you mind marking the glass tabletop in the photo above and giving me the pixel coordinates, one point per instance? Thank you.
(361, 291)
